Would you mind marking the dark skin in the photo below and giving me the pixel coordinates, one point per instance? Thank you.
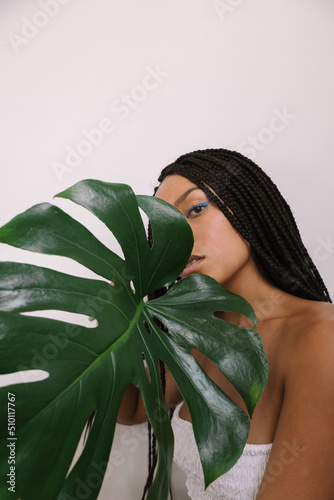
(296, 410)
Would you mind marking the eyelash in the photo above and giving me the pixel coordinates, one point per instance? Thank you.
(204, 205)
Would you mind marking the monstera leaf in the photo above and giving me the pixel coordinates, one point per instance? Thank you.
(90, 368)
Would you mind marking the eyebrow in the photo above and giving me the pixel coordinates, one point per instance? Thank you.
(185, 194)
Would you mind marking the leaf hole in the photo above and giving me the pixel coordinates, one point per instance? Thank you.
(146, 367)
(23, 377)
(132, 286)
(92, 223)
(147, 326)
(145, 220)
(217, 376)
(68, 317)
(82, 441)
(160, 325)
(89, 425)
(150, 236)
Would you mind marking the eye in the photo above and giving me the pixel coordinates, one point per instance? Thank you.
(197, 209)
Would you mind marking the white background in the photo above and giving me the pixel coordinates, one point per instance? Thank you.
(227, 70)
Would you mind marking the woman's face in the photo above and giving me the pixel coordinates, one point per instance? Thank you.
(219, 251)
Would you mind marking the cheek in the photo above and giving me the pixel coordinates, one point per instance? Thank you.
(208, 231)
(221, 231)
(228, 241)
(211, 235)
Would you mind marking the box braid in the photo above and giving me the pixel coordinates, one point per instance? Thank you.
(257, 210)
(152, 443)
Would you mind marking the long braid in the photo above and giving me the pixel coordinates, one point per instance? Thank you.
(152, 448)
(257, 210)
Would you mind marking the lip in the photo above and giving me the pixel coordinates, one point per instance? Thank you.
(192, 268)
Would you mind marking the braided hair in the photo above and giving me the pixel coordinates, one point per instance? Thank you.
(255, 207)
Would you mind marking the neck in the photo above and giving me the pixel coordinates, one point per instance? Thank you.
(267, 300)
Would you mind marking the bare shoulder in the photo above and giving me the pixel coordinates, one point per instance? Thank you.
(309, 340)
(311, 326)
(309, 367)
(306, 353)
(321, 312)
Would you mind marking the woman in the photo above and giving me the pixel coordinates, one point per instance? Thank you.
(246, 238)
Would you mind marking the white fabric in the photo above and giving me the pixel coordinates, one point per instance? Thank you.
(241, 482)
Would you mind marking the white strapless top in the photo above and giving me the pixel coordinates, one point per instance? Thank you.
(241, 482)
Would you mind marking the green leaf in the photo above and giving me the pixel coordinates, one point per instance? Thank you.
(90, 368)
